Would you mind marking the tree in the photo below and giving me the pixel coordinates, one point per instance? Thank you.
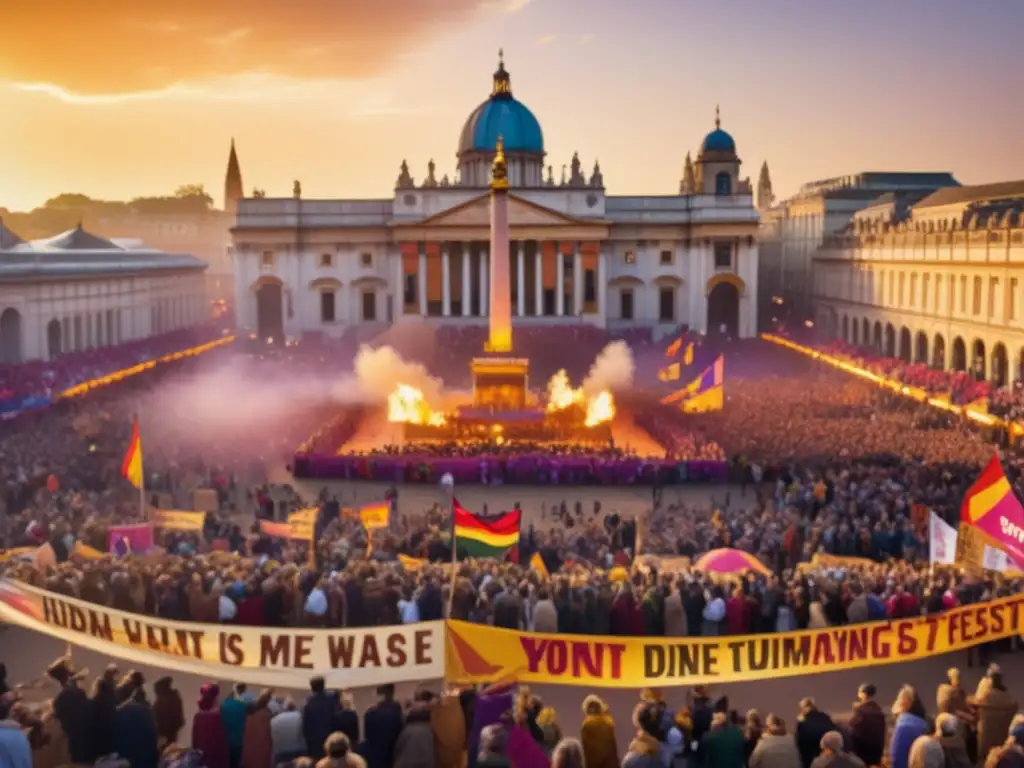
(69, 200)
(190, 190)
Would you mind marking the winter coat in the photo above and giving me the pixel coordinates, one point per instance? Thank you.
(809, 731)
(867, 732)
(995, 713)
(415, 747)
(382, 725)
(908, 727)
(724, 748)
(258, 745)
(675, 616)
(448, 723)
(545, 617)
(136, 734)
(318, 722)
(597, 735)
(775, 751)
(211, 738)
(644, 752)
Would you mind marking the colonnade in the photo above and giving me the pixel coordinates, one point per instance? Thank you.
(567, 287)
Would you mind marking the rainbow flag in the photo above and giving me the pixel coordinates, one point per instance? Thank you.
(481, 538)
(131, 467)
(992, 510)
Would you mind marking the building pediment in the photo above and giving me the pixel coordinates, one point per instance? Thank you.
(521, 213)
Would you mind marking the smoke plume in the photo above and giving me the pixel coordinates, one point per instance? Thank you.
(379, 370)
(613, 369)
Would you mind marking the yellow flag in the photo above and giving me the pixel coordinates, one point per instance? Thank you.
(688, 354)
(669, 372)
(537, 564)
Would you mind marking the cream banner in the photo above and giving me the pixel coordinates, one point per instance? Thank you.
(283, 658)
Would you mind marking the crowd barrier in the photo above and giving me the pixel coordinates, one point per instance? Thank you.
(528, 470)
(472, 653)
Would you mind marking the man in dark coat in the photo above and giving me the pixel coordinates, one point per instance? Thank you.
(71, 708)
(810, 729)
(382, 725)
(318, 717)
(136, 731)
(867, 727)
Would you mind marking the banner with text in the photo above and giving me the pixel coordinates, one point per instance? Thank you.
(256, 655)
(476, 653)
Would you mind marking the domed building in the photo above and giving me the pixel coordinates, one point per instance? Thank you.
(577, 255)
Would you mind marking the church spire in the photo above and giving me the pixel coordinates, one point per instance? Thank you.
(688, 184)
(765, 197)
(233, 191)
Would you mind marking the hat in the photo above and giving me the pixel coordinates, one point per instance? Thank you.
(993, 670)
(63, 671)
(208, 694)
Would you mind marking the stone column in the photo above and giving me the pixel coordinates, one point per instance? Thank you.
(520, 279)
(421, 279)
(398, 290)
(483, 281)
(577, 280)
(538, 279)
(602, 285)
(559, 281)
(446, 282)
(467, 298)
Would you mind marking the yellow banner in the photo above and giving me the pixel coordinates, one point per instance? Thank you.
(173, 520)
(476, 653)
(303, 523)
(86, 552)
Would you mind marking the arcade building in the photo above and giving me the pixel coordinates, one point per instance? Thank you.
(576, 254)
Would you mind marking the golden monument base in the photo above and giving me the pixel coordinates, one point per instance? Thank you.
(500, 383)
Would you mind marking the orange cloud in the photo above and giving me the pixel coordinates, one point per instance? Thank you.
(116, 46)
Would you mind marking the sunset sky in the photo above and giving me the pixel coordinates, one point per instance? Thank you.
(120, 98)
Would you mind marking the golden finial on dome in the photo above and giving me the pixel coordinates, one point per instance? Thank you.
(499, 168)
(718, 117)
(502, 82)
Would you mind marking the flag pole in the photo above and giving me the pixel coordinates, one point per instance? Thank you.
(448, 483)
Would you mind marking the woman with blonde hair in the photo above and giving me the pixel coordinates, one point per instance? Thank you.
(597, 735)
(568, 754)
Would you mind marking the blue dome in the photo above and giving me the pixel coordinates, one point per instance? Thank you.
(718, 141)
(501, 115)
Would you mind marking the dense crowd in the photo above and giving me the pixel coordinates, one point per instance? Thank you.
(503, 725)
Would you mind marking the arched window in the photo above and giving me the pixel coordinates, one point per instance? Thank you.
(723, 184)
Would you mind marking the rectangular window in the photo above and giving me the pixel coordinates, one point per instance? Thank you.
(267, 260)
(925, 287)
(993, 292)
(629, 257)
(409, 290)
(666, 258)
(723, 255)
(626, 304)
(976, 298)
(667, 305)
(366, 259)
(900, 295)
(892, 288)
(963, 294)
(369, 306)
(912, 296)
(326, 259)
(1012, 299)
(327, 307)
(589, 285)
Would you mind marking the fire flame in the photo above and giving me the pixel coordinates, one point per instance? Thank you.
(406, 405)
(561, 395)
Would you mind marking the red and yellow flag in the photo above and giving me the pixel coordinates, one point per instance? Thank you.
(131, 467)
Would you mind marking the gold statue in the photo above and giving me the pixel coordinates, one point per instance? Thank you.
(499, 168)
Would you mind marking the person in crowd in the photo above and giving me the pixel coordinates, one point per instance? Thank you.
(645, 749)
(103, 711)
(775, 748)
(15, 750)
(415, 747)
(1011, 753)
(135, 725)
(995, 708)
(493, 745)
(867, 727)
(812, 725)
(568, 753)
(168, 711)
(338, 753)
(233, 711)
(320, 718)
(753, 728)
(490, 706)
(257, 741)
(286, 734)
(209, 735)
(723, 746)
(382, 724)
(926, 752)
(908, 726)
(948, 734)
(71, 707)
(597, 734)
(832, 755)
(346, 719)
(448, 722)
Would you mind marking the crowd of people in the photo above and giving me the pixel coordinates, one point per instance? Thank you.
(502, 725)
(826, 464)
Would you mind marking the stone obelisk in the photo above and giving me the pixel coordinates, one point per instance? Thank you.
(500, 338)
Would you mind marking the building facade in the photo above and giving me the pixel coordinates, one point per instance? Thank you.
(78, 291)
(577, 254)
(793, 230)
(938, 282)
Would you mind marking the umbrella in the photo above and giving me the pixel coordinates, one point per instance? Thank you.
(728, 560)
